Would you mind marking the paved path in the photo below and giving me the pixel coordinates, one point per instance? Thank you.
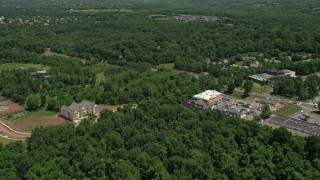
(7, 132)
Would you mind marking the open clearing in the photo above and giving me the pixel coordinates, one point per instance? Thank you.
(50, 53)
(13, 107)
(100, 10)
(9, 66)
(261, 89)
(6, 141)
(288, 110)
(35, 119)
(170, 68)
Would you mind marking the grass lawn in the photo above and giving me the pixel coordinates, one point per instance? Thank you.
(288, 110)
(261, 89)
(239, 63)
(102, 67)
(237, 94)
(9, 66)
(100, 78)
(100, 10)
(50, 53)
(7, 141)
(170, 68)
(35, 119)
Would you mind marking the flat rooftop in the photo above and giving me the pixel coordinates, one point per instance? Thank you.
(207, 95)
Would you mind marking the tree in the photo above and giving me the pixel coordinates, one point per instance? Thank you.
(266, 112)
(43, 100)
(53, 104)
(231, 87)
(248, 85)
(33, 102)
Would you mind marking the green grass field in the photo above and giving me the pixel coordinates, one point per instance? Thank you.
(100, 10)
(9, 66)
(7, 141)
(35, 119)
(170, 68)
(100, 78)
(237, 94)
(288, 110)
(261, 89)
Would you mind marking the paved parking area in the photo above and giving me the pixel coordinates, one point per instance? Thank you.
(234, 107)
(296, 124)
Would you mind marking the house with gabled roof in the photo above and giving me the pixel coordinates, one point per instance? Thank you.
(79, 111)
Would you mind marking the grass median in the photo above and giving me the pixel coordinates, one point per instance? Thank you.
(289, 110)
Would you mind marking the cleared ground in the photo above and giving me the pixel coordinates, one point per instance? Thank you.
(100, 10)
(289, 110)
(9, 66)
(6, 141)
(261, 89)
(237, 94)
(35, 119)
(170, 68)
(50, 53)
(13, 107)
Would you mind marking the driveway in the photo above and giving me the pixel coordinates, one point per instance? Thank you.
(10, 133)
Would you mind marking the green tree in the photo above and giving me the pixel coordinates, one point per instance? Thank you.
(33, 102)
(248, 85)
(53, 104)
(266, 112)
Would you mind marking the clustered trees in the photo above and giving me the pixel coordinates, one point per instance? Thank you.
(303, 89)
(162, 141)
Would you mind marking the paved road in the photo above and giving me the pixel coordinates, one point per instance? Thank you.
(295, 124)
(306, 105)
(10, 133)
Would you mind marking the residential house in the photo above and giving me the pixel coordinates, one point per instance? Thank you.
(79, 111)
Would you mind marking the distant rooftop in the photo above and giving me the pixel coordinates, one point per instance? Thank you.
(207, 95)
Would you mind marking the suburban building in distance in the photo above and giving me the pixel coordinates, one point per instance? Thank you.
(203, 100)
(209, 96)
(272, 76)
(79, 111)
(42, 73)
(274, 104)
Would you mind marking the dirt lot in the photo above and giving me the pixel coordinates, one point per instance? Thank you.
(13, 107)
(110, 108)
(35, 119)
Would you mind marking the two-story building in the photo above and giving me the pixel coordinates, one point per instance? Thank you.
(79, 111)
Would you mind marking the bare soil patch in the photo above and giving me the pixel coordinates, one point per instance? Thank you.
(37, 119)
(13, 107)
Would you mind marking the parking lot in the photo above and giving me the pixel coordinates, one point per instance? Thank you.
(235, 107)
(296, 124)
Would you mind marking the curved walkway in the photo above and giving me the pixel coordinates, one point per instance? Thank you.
(7, 132)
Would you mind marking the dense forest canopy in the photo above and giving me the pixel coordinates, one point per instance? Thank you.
(124, 42)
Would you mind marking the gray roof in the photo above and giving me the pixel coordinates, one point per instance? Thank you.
(74, 107)
(233, 112)
(200, 102)
(269, 101)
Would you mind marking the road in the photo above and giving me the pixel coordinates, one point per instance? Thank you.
(295, 124)
(8, 132)
(305, 105)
